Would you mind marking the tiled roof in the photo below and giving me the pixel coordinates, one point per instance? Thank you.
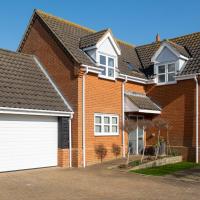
(91, 39)
(191, 44)
(70, 34)
(24, 85)
(142, 101)
(73, 36)
(178, 48)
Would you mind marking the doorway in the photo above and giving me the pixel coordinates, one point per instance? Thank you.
(136, 137)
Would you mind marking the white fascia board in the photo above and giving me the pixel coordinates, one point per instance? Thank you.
(91, 69)
(149, 111)
(121, 76)
(186, 77)
(109, 35)
(135, 79)
(184, 58)
(23, 111)
(52, 83)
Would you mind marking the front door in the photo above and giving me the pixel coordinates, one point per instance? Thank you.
(136, 137)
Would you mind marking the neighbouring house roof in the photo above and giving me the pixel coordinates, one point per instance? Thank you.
(187, 45)
(74, 37)
(142, 101)
(24, 85)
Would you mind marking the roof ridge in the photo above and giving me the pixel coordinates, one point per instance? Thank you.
(15, 52)
(170, 39)
(64, 20)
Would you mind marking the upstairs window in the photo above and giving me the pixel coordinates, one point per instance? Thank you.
(107, 63)
(166, 73)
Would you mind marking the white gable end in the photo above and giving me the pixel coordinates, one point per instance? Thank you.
(166, 55)
(106, 47)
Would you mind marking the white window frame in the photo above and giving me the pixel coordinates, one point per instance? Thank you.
(102, 133)
(107, 67)
(165, 73)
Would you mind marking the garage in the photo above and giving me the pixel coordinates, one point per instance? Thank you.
(27, 142)
(35, 118)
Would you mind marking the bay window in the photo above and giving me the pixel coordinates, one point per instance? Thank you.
(166, 73)
(107, 63)
(106, 124)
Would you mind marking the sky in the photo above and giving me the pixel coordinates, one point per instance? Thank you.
(134, 21)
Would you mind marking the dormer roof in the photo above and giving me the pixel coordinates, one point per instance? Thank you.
(95, 39)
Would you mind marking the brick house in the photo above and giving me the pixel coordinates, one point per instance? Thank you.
(105, 80)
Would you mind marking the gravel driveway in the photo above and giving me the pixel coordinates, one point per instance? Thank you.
(95, 182)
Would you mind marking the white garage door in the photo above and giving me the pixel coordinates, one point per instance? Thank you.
(27, 142)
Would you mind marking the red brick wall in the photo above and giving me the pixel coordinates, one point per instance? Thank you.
(178, 109)
(103, 96)
(63, 157)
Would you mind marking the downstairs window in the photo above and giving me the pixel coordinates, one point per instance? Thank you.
(106, 124)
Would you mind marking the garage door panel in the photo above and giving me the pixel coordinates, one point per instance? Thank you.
(27, 142)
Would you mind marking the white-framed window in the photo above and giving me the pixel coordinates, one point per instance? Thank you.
(107, 63)
(166, 73)
(106, 124)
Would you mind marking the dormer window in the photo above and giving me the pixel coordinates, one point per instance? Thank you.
(168, 59)
(107, 63)
(103, 50)
(166, 73)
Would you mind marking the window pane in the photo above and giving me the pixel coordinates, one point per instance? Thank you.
(98, 119)
(106, 120)
(104, 71)
(98, 129)
(102, 60)
(161, 69)
(111, 62)
(111, 72)
(133, 117)
(171, 77)
(106, 129)
(171, 67)
(140, 117)
(114, 129)
(161, 78)
(114, 120)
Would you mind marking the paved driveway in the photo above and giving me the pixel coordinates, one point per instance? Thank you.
(93, 183)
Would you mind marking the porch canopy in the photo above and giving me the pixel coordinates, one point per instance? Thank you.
(137, 102)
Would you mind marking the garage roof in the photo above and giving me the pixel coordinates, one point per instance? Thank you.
(23, 84)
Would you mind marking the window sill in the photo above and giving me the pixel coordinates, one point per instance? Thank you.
(166, 83)
(106, 77)
(106, 134)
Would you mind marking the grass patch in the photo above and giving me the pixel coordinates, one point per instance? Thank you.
(166, 169)
(134, 163)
